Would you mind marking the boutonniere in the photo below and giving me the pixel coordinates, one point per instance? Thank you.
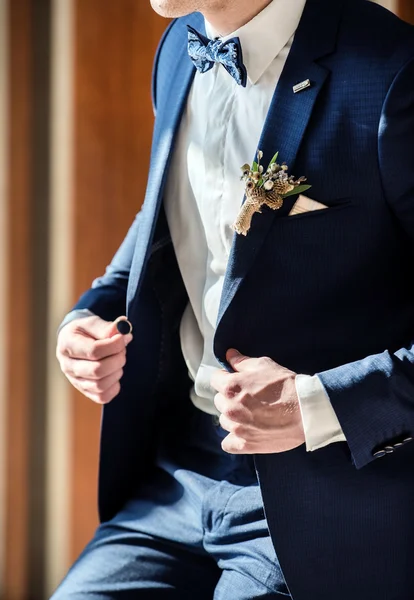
(268, 187)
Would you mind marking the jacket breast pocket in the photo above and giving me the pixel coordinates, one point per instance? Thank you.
(320, 213)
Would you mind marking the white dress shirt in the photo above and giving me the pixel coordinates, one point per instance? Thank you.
(219, 132)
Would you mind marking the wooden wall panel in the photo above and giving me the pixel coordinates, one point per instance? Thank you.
(18, 298)
(39, 306)
(24, 292)
(406, 10)
(115, 44)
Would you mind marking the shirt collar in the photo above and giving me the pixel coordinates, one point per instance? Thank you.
(266, 35)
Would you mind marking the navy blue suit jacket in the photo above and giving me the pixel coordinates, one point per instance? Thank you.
(328, 292)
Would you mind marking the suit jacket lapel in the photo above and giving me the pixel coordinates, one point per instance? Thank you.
(176, 78)
(285, 126)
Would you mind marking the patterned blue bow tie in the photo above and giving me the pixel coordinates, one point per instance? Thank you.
(205, 52)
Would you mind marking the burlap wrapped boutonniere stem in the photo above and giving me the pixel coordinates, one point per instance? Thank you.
(268, 188)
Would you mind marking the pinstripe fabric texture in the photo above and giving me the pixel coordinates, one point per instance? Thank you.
(327, 292)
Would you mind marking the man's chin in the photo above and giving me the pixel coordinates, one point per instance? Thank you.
(173, 8)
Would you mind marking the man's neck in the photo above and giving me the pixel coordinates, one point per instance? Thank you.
(233, 15)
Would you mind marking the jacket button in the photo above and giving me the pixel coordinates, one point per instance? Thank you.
(408, 439)
(389, 449)
(379, 453)
(398, 445)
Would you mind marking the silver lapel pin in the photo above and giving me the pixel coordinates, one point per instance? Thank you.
(301, 86)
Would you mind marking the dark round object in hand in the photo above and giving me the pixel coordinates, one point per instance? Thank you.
(124, 327)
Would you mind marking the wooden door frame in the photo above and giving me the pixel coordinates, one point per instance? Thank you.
(406, 10)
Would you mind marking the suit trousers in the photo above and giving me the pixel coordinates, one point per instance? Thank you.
(195, 529)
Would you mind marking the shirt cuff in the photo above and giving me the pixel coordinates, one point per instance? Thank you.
(80, 313)
(320, 423)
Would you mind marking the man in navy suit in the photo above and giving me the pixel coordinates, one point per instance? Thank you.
(258, 443)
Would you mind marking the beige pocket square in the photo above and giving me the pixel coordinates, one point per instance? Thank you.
(304, 204)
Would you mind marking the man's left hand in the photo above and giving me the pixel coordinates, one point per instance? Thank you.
(259, 406)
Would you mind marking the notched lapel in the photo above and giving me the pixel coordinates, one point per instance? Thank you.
(284, 129)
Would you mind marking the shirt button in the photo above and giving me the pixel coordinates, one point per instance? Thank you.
(379, 453)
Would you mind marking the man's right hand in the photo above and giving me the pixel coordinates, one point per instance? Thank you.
(92, 355)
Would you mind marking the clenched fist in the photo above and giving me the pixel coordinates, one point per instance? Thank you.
(258, 406)
(92, 355)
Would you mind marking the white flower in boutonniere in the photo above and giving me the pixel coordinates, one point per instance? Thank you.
(269, 188)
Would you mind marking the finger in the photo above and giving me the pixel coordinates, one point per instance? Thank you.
(232, 409)
(229, 425)
(96, 328)
(99, 329)
(105, 397)
(226, 383)
(79, 346)
(235, 445)
(219, 379)
(221, 403)
(236, 360)
(85, 369)
(99, 386)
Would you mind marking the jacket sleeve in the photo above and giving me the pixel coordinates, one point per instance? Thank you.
(374, 398)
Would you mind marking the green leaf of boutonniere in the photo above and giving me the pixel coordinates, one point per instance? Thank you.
(298, 190)
(274, 159)
(255, 167)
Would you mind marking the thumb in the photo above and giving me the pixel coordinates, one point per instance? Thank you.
(99, 329)
(236, 360)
